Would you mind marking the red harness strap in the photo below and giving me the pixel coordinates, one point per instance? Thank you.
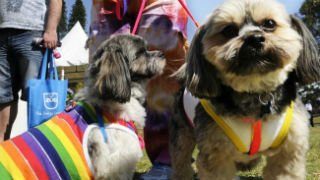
(127, 124)
(256, 137)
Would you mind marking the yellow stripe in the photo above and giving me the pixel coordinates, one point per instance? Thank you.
(70, 148)
(285, 127)
(105, 119)
(230, 133)
(20, 160)
(10, 165)
(67, 129)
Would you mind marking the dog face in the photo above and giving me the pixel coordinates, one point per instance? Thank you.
(251, 46)
(120, 63)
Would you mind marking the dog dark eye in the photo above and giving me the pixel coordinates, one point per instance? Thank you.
(230, 31)
(140, 52)
(269, 24)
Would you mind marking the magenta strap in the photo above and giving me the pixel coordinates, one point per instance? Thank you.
(185, 7)
(143, 4)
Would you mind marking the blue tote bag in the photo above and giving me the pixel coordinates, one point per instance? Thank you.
(46, 96)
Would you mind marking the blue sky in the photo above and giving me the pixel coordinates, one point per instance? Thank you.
(199, 8)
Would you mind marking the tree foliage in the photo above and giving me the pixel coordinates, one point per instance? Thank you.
(310, 11)
(311, 93)
(78, 13)
(63, 26)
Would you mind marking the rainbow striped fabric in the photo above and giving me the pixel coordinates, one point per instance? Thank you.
(52, 150)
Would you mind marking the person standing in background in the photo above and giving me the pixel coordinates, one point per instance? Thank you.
(309, 109)
(20, 22)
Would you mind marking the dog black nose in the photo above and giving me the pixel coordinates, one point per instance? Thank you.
(255, 40)
(158, 54)
(161, 54)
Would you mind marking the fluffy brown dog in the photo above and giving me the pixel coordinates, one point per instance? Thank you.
(244, 64)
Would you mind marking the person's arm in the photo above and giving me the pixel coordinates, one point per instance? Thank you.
(50, 36)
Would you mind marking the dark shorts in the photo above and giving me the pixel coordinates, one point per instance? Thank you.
(19, 62)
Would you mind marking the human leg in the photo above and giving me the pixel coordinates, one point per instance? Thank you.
(311, 118)
(19, 61)
(8, 113)
(27, 58)
(6, 93)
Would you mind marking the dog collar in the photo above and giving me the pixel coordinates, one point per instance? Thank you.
(259, 130)
(108, 118)
(128, 124)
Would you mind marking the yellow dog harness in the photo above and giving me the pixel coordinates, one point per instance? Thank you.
(248, 137)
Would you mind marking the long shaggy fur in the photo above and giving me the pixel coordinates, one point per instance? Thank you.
(116, 80)
(246, 51)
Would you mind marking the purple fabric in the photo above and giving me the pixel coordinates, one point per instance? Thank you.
(36, 148)
(81, 123)
(157, 121)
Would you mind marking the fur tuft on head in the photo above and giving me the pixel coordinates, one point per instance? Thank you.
(113, 77)
(308, 65)
(201, 75)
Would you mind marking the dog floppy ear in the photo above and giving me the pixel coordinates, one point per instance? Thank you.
(112, 74)
(308, 65)
(202, 78)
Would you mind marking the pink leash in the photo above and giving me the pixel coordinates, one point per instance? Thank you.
(185, 7)
(143, 4)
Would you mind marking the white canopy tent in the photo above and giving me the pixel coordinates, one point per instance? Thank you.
(73, 51)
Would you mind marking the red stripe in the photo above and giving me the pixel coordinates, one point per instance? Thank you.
(256, 139)
(118, 10)
(76, 129)
(29, 155)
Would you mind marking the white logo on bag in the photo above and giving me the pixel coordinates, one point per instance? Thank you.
(50, 100)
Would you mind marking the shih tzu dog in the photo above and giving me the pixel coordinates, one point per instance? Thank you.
(118, 75)
(97, 137)
(240, 102)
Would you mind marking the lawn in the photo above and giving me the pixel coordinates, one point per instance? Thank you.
(313, 161)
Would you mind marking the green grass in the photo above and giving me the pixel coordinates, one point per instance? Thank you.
(313, 160)
(144, 164)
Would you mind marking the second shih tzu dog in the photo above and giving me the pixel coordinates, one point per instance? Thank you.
(243, 69)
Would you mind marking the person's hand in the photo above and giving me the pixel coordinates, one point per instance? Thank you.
(50, 39)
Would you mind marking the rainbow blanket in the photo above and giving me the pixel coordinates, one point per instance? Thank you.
(54, 150)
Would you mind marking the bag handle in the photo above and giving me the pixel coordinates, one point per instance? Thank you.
(44, 65)
(48, 59)
(53, 68)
